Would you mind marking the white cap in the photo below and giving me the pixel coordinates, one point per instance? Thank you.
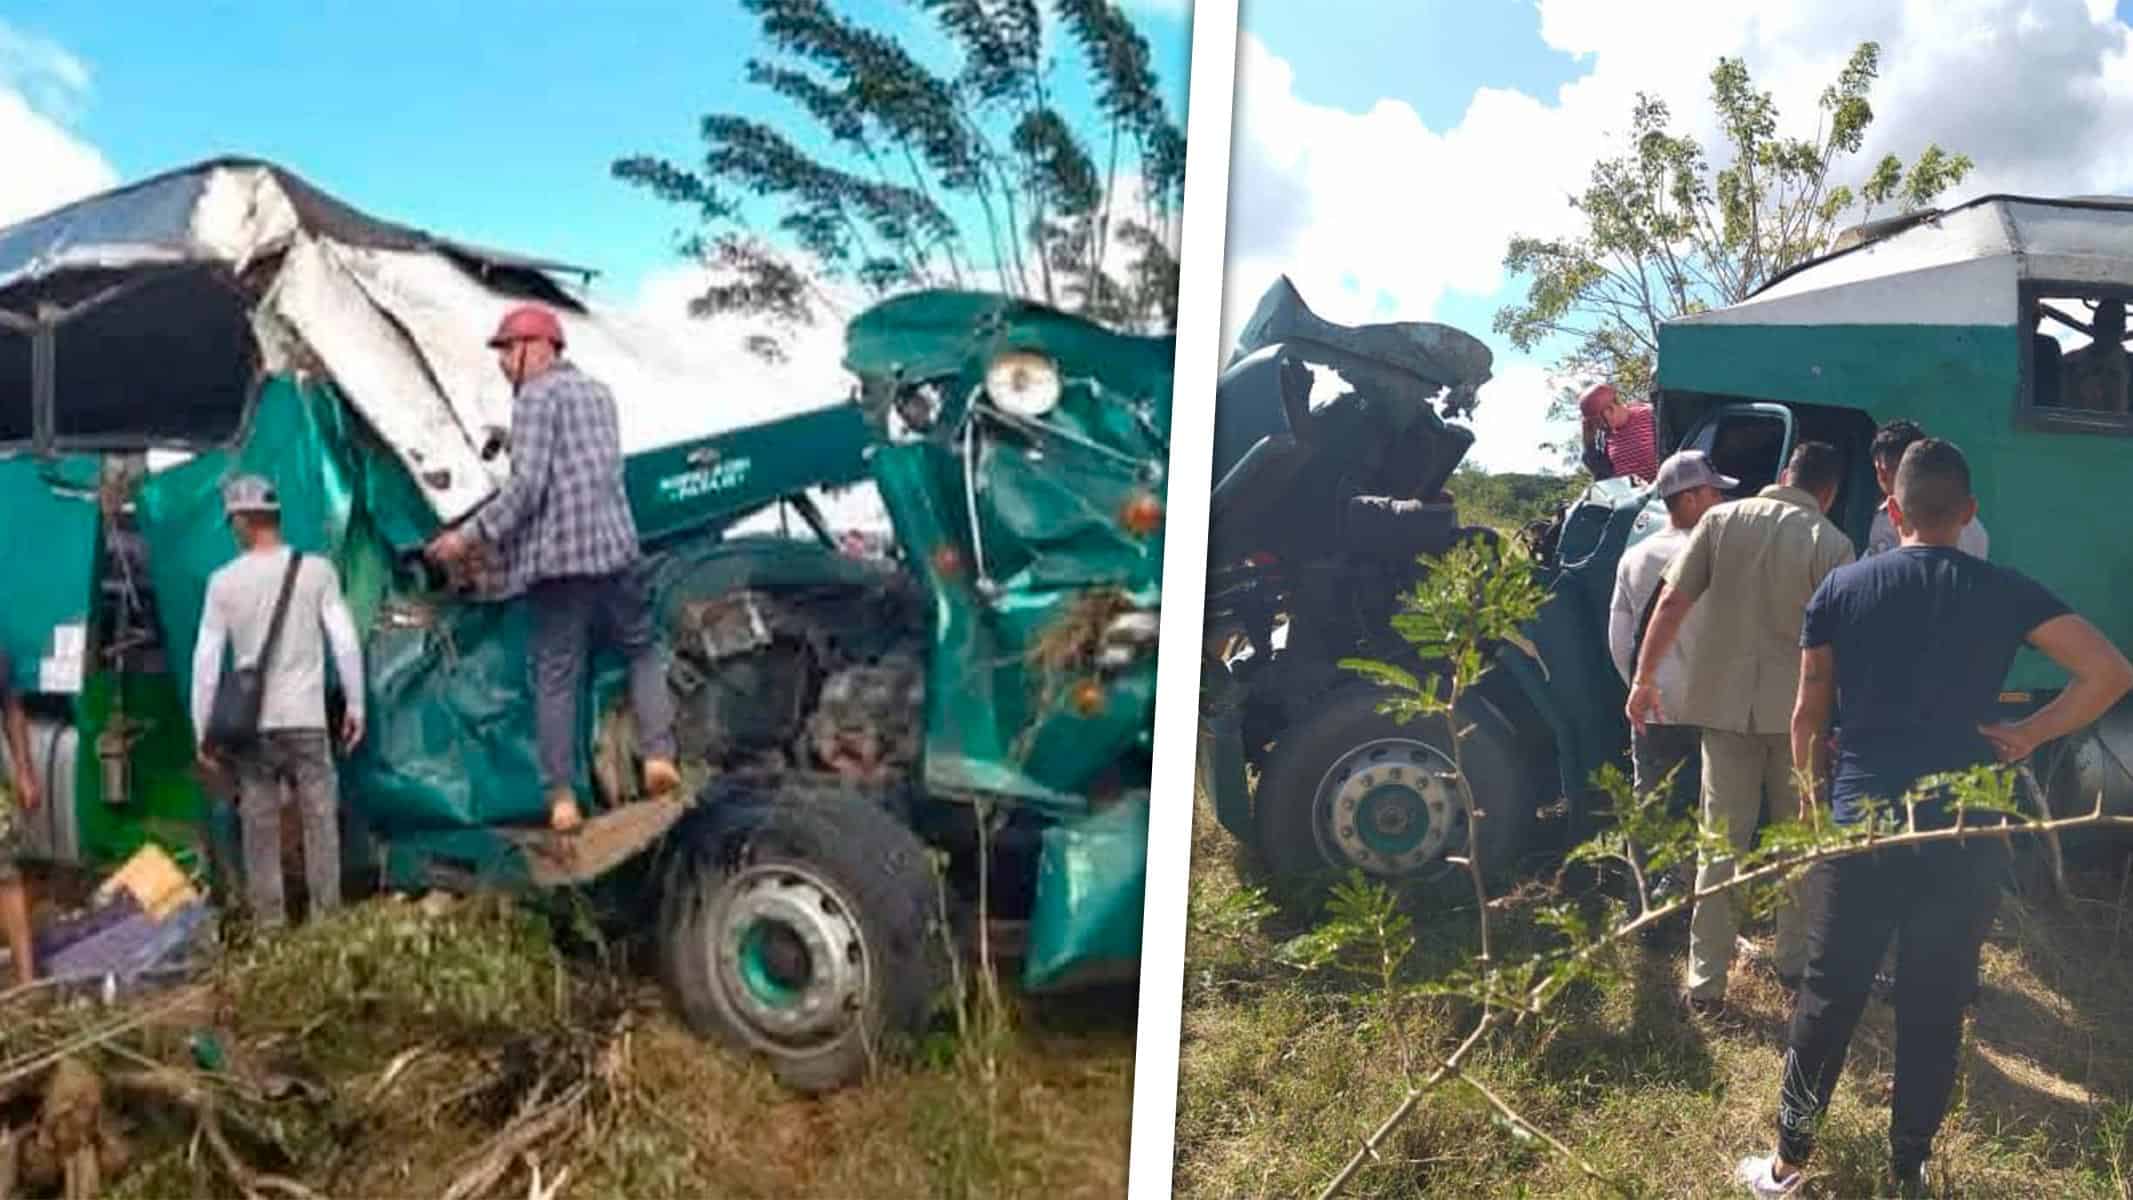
(1685, 469)
(249, 493)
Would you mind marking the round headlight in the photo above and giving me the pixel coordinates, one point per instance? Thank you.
(1023, 383)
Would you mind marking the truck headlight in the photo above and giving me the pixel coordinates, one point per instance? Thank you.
(1023, 383)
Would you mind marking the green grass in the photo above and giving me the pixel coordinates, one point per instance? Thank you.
(1283, 1075)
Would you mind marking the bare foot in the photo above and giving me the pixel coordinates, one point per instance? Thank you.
(660, 777)
(564, 817)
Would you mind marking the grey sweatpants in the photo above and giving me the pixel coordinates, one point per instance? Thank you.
(285, 762)
(567, 614)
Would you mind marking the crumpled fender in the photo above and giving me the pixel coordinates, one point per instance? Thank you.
(1092, 881)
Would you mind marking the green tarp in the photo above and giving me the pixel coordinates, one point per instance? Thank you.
(450, 723)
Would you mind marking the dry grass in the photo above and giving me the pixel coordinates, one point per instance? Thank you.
(427, 1033)
(1282, 1076)
(1041, 1110)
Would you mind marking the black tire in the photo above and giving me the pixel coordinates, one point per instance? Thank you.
(768, 897)
(1292, 803)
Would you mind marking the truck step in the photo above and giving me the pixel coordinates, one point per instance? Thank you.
(596, 847)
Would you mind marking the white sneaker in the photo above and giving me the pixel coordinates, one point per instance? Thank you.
(1754, 1173)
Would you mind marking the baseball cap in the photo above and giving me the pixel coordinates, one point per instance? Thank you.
(249, 493)
(1685, 469)
(1597, 399)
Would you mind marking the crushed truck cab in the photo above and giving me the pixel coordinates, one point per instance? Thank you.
(1333, 446)
(868, 739)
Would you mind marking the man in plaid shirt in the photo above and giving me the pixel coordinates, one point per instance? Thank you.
(562, 526)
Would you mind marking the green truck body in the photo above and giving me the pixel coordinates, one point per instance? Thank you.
(1009, 531)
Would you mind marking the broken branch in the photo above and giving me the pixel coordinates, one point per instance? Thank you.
(177, 1089)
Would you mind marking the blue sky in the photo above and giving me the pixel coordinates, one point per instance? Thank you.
(492, 122)
(1384, 155)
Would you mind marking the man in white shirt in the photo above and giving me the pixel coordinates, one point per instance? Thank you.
(292, 748)
(1890, 441)
(1690, 487)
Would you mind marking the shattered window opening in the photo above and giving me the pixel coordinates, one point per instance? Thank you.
(1745, 446)
(1327, 385)
(2077, 374)
(16, 403)
(168, 363)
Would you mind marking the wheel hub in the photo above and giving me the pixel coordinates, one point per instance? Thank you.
(1388, 806)
(790, 957)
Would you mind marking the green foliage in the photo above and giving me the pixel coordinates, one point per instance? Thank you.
(1637, 823)
(1508, 502)
(1669, 232)
(383, 968)
(1470, 599)
(1228, 921)
(2112, 1147)
(966, 174)
(1364, 932)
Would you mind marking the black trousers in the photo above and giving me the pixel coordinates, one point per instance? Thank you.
(1663, 748)
(1939, 902)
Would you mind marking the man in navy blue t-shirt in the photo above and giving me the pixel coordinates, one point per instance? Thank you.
(1908, 650)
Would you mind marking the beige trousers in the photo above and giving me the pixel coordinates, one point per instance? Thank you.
(1745, 775)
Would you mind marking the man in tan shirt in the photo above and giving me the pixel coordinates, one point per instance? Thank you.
(1748, 570)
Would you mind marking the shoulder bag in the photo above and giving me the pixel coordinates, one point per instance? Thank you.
(233, 721)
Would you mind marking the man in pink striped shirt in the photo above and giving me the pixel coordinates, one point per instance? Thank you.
(1631, 433)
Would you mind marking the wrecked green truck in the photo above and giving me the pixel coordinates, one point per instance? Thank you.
(1998, 324)
(882, 749)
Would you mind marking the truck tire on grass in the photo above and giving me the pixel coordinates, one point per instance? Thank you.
(806, 930)
(1352, 788)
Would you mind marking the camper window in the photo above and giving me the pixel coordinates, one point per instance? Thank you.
(2078, 375)
(167, 362)
(16, 413)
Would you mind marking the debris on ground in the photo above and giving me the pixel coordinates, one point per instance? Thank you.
(443, 1045)
(141, 925)
(431, 1048)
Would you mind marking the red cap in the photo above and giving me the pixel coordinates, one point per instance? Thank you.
(528, 322)
(1597, 399)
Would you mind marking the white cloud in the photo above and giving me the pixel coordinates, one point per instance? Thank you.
(41, 86)
(811, 375)
(1511, 430)
(1377, 216)
(43, 65)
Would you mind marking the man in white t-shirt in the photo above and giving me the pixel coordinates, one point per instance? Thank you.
(1690, 487)
(293, 748)
(1890, 441)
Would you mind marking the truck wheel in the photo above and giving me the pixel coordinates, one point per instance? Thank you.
(806, 930)
(1352, 788)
